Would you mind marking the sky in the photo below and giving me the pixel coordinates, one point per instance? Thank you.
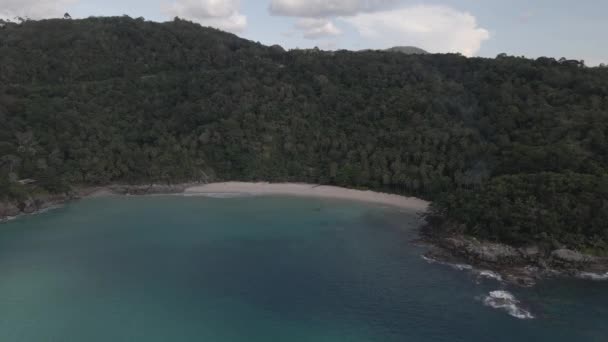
(530, 28)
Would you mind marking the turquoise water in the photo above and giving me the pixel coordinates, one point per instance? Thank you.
(258, 269)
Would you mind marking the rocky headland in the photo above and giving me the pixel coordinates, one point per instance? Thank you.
(522, 266)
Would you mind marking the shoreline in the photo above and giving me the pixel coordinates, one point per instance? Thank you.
(308, 190)
(518, 266)
(39, 203)
(9, 211)
(521, 266)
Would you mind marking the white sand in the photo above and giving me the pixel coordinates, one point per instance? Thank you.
(308, 190)
(100, 192)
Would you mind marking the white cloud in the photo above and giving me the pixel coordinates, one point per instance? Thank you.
(223, 14)
(313, 28)
(34, 9)
(325, 8)
(433, 28)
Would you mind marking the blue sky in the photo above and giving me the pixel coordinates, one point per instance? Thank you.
(557, 28)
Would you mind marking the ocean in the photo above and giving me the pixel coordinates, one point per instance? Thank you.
(175, 268)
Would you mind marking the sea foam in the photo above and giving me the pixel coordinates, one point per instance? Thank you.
(506, 301)
(8, 218)
(489, 274)
(593, 276)
(460, 267)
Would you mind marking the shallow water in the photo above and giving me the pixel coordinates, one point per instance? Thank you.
(178, 269)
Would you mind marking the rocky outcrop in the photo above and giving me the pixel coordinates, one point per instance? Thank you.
(521, 266)
(149, 189)
(531, 253)
(31, 205)
(8, 210)
(28, 206)
(40, 202)
(486, 253)
(567, 258)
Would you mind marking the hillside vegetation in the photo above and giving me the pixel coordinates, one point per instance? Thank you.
(509, 149)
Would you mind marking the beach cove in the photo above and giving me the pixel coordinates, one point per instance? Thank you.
(234, 267)
(522, 266)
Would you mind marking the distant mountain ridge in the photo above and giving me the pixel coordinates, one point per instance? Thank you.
(409, 50)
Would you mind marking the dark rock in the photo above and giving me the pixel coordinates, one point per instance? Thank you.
(518, 266)
(490, 253)
(148, 189)
(565, 257)
(28, 206)
(531, 253)
(8, 210)
(520, 278)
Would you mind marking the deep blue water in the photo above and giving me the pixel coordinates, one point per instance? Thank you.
(258, 269)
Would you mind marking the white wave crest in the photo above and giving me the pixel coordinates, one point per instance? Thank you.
(490, 275)
(593, 276)
(506, 301)
(8, 218)
(502, 295)
(429, 260)
(45, 210)
(460, 267)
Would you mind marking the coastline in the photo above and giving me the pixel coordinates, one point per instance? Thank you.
(9, 211)
(519, 266)
(40, 203)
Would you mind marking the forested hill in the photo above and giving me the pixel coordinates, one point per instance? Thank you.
(509, 149)
(412, 50)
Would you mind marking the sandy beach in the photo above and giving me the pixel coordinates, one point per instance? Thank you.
(227, 188)
(309, 190)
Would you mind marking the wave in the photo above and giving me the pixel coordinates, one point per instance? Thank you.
(53, 207)
(460, 267)
(489, 275)
(593, 276)
(429, 260)
(506, 301)
(8, 218)
(499, 299)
